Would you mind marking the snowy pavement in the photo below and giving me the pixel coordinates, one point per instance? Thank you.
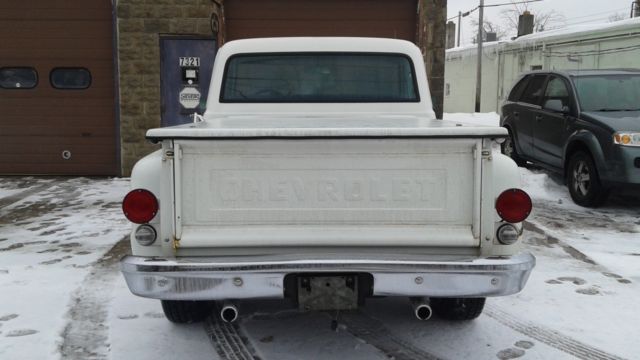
(63, 297)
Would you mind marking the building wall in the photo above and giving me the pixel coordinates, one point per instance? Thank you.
(139, 25)
(431, 38)
(612, 46)
(460, 80)
(140, 22)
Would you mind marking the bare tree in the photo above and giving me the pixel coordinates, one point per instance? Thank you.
(541, 21)
(489, 27)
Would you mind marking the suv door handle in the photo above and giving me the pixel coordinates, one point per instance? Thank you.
(516, 114)
(538, 117)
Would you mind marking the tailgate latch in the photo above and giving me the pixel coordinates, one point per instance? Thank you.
(168, 154)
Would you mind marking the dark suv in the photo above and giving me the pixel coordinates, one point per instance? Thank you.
(584, 124)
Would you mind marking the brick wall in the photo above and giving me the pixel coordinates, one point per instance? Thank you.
(431, 38)
(139, 23)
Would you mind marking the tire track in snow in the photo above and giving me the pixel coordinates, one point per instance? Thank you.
(228, 339)
(373, 332)
(86, 334)
(12, 199)
(548, 336)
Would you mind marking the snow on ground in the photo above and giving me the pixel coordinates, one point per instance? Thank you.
(581, 295)
(48, 243)
(586, 281)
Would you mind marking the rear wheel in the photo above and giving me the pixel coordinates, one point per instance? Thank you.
(458, 308)
(184, 312)
(583, 181)
(509, 149)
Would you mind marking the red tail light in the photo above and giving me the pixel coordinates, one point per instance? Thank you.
(140, 206)
(513, 205)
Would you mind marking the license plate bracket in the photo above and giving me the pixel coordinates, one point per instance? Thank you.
(333, 292)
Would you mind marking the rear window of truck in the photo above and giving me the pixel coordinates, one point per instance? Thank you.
(319, 78)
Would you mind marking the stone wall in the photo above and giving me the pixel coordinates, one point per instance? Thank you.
(139, 24)
(431, 38)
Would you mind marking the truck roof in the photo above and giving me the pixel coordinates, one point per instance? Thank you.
(318, 44)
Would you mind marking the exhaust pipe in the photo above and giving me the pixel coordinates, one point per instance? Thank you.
(421, 308)
(229, 312)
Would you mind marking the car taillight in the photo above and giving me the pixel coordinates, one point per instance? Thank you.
(513, 205)
(140, 206)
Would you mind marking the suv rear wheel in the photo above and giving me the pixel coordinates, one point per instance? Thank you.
(508, 148)
(583, 181)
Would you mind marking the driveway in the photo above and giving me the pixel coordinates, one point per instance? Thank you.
(63, 296)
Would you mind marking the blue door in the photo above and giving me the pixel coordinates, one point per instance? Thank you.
(185, 73)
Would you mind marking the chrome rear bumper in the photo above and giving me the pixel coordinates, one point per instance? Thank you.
(209, 278)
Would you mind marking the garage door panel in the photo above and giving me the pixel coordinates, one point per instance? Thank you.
(57, 54)
(84, 169)
(102, 93)
(52, 13)
(38, 124)
(88, 113)
(369, 18)
(318, 11)
(48, 143)
(55, 29)
(55, 129)
(89, 156)
(86, 44)
(75, 102)
(393, 29)
(70, 5)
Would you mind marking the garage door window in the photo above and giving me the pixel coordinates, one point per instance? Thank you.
(18, 78)
(70, 78)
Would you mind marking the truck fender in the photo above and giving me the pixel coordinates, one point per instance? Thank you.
(146, 173)
(509, 177)
(586, 140)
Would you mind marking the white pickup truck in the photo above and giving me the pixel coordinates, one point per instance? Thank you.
(319, 173)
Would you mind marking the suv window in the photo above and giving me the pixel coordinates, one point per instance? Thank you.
(557, 90)
(518, 88)
(535, 88)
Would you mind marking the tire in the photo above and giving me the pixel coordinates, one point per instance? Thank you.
(457, 309)
(186, 312)
(508, 148)
(584, 182)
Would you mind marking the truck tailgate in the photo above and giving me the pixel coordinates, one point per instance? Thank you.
(327, 192)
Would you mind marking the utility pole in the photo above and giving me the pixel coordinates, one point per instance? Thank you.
(459, 25)
(479, 69)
